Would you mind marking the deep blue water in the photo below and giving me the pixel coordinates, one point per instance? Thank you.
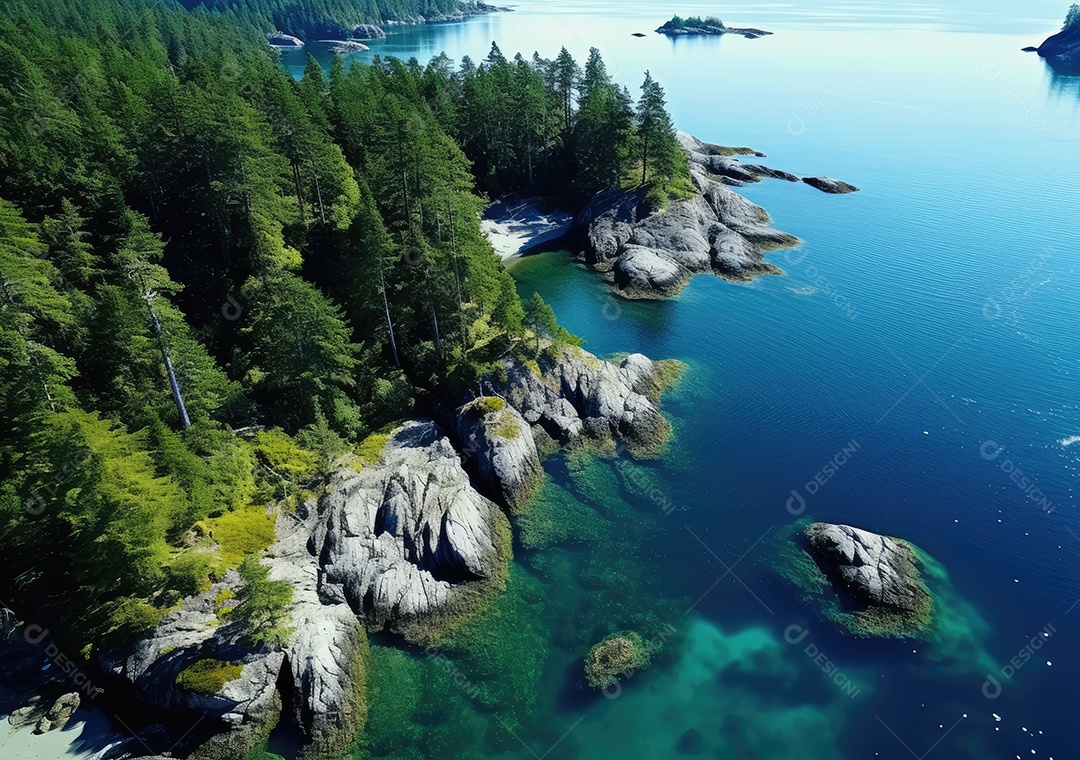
(926, 319)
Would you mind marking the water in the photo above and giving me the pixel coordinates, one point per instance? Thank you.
(927, 320)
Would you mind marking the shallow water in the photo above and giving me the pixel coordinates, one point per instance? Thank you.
(926, 322)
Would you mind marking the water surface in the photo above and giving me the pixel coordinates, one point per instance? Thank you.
(928, 320)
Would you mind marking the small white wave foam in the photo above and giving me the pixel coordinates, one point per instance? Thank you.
(1070, 440)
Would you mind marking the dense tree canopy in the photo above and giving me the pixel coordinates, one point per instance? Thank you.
(195, 247)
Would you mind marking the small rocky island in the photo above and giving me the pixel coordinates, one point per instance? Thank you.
(870, 584)
(709, 26)
(1062, 50)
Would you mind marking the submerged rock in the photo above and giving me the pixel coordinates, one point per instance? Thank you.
(616, 656)
(830, 185)
(690, 743)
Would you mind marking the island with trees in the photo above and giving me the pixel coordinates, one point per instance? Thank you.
(1062, 50)
(708, 26)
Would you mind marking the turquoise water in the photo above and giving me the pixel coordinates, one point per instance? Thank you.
(929, 318)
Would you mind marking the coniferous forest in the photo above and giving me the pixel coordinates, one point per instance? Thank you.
(218, 280)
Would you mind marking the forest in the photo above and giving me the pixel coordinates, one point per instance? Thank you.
(218, 281)
(314, 19)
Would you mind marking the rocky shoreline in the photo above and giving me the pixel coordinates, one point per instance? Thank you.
(1062, 50)
(648, 253)
(411, 542)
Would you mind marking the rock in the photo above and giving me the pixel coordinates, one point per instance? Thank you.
(875, 569)
(759, 172)
(344, 47)
(1062, 50)
(368, 32)
(708, 29)
(655, 254)
(690, 743)
(499, 440)
(617, 655)
(829, 185)
(30, 713)
(325, 658)
(465, 10)
(409, 540)
(282, 40)
(192, 633)
(578, 396)
(59, 714)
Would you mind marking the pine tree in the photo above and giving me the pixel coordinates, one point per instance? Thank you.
(138, 259)
(262, 608)
(658, 148)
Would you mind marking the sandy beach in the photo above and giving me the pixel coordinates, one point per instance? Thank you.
(85, 736)
(516, 226)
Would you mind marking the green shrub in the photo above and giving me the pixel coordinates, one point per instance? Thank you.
(370, 449)
(261, 612)
(239, 533)
(129, 618)
(208, 676)
(282, 455)
(189, 573)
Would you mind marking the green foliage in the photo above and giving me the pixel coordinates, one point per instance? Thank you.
(488, 404)
(659, 151)
(235, 535)
(195, 244)
(284, 457)
(1072, 19)
(693, 22)
(540, 319)
(208, 676)
(128, 619)
(261, 606)
(370, 449)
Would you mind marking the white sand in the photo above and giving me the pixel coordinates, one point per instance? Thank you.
(82, 738)
(519, 226)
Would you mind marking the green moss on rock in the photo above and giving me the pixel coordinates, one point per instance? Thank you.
(208, 676)
(614, 656)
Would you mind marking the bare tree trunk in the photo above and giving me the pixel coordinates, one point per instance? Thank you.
(177, 397)
(389, 323)
(299, 192)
